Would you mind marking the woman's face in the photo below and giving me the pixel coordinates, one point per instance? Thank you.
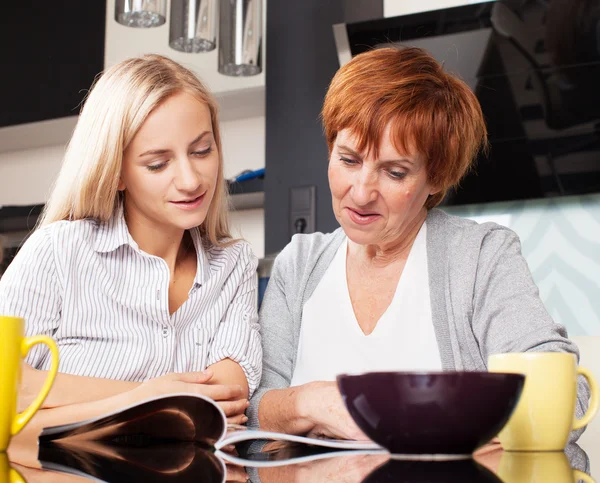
(376, 200)
(170, 167)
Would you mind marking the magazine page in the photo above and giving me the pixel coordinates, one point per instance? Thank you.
(286, 453)
(177, 417)
(237, 434)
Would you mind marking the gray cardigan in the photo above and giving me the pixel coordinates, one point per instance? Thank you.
(483, 300)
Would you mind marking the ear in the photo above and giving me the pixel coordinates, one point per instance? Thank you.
(121, 185)
(434, 190)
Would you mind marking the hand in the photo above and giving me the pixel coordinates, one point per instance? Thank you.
(489, 455)
(324, 407)
(31, 382)
(235, 473)
(228, 397)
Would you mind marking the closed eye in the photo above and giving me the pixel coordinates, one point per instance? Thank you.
(398, 175)
(203, 153)
(348, 161)
(156, 167)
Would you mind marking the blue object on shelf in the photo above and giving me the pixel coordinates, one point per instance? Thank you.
(246, 175)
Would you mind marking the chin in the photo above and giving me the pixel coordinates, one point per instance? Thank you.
(363, 236)
(189, 222)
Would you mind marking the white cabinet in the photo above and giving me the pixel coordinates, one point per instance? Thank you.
(393, 8)
(239, 97)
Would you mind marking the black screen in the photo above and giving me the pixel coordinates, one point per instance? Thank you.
(535, 68)
(50, 53)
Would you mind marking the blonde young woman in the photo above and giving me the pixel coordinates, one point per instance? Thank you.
(133, 270)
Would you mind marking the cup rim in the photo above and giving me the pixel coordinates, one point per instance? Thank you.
(11, 318)
(531, 355)
(425, 373)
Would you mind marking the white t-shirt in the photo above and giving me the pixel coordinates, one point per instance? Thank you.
(332, 342)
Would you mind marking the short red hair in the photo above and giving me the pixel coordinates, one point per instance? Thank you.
(430, 111)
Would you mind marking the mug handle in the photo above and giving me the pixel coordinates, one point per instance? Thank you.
(23, 418)
(580, 475)
(591, 412)
(15, 477)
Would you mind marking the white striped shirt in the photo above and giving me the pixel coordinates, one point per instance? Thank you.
(106, 304)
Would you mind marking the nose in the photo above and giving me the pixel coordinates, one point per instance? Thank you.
(187, 178)
(364, 187)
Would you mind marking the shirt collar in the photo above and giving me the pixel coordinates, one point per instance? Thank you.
(203, 267)
(114, 233)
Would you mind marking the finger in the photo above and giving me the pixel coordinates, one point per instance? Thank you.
(195, 377)
(489, 459)
(239, 419)
(233, 408)
(488, 448)
(358, 435)
(229, 449)
(220, 392)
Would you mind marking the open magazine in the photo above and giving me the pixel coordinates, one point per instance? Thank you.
(181, 418)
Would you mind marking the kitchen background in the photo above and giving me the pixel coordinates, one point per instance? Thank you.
(271, 120)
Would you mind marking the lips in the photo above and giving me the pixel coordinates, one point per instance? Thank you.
(189, 203)
(362, 217)
(190, 200)
(363, 212)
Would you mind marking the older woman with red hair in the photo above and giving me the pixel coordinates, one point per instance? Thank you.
(400, 285)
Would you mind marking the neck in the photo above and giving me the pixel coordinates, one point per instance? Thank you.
(166, 243)
(389, 251)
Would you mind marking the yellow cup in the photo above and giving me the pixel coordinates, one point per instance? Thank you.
(7, 473)
(545, 414)
(13, 347)
(528, 467)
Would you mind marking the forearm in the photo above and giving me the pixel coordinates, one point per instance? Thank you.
(69, 389)
(288, 473)
(20, 449)
(229, 372)
(284, 410)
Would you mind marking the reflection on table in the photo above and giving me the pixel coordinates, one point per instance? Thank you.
(490, 464)
(187, 462)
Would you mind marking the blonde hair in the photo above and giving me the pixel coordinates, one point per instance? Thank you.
(119, 102)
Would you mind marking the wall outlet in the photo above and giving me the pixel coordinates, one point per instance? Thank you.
(303, 206)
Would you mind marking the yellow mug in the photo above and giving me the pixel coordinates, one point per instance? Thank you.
(545, 413)
(7, 473)
(13, 347)
(530, 467)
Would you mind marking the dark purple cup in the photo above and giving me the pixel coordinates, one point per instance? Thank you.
(434, 413)
(406, 471)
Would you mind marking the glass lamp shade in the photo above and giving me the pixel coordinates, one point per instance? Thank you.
(141, 13)
(240, 37)
(193, 25)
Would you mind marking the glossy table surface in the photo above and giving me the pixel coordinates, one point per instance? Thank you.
(183, 462)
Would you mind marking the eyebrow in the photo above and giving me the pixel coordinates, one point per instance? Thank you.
(387, 161)
(163, 151)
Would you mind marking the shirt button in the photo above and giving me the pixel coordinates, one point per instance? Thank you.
(165, 331)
